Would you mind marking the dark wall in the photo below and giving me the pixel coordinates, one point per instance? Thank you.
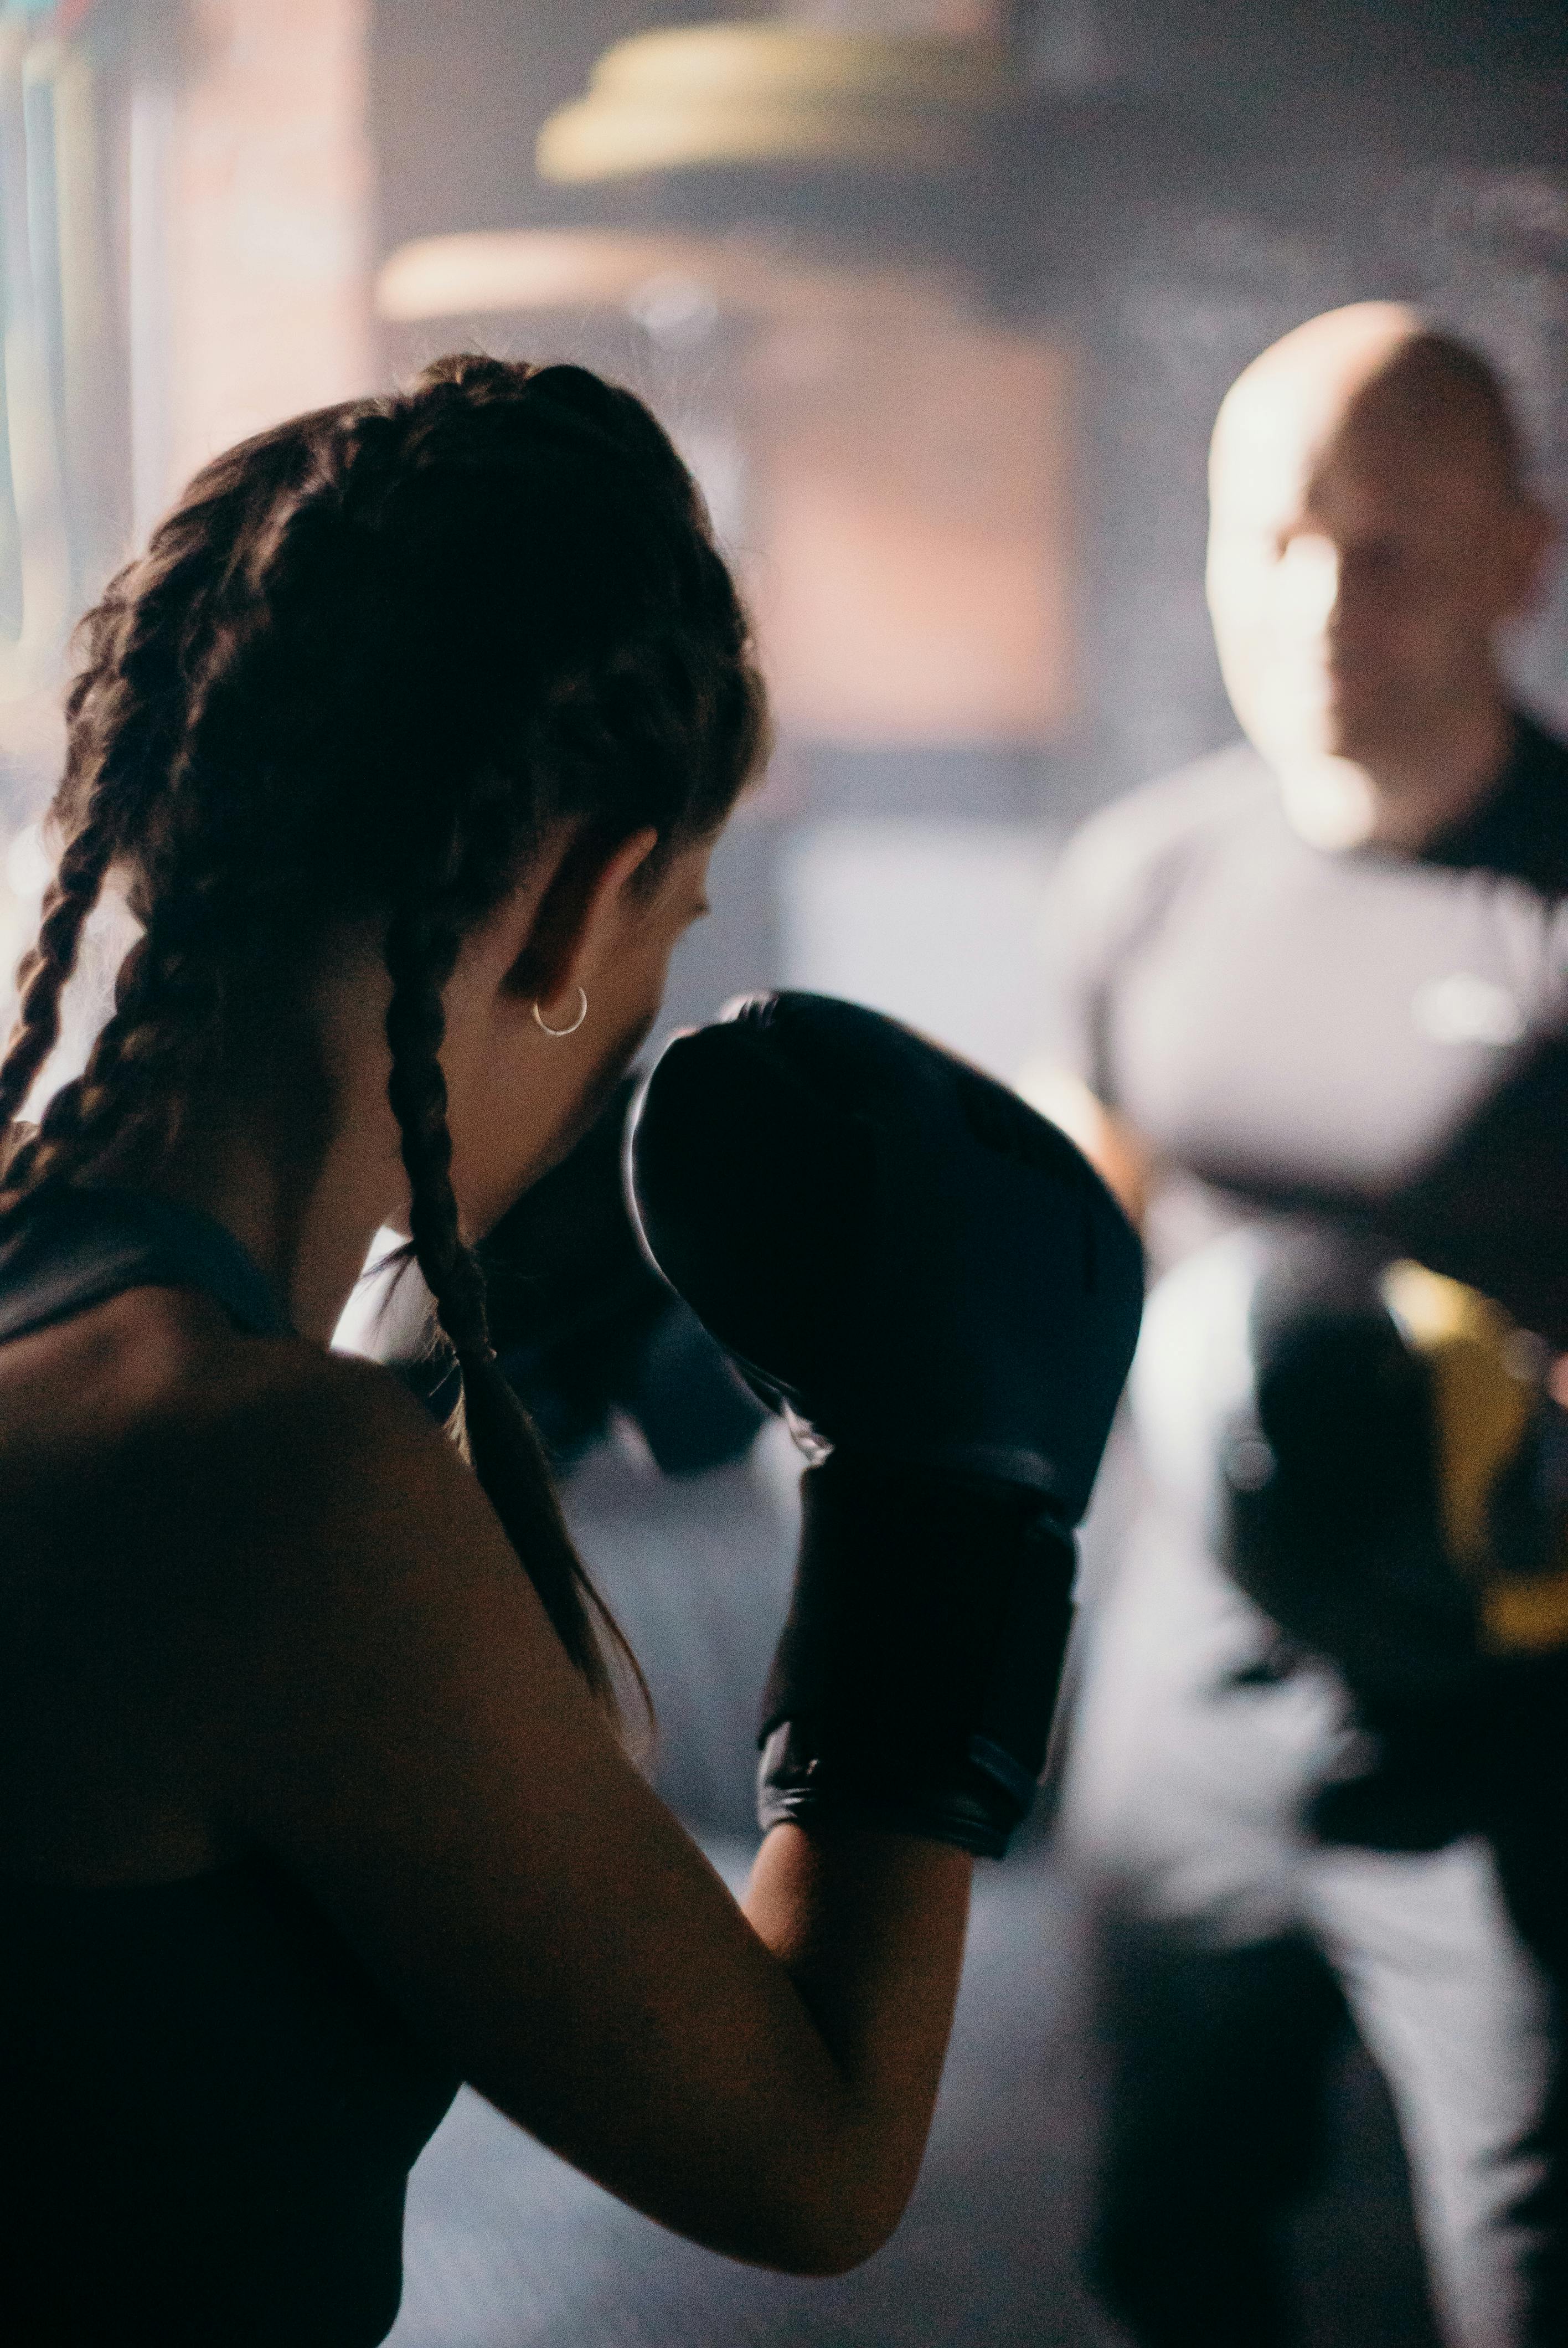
(459, 89)
(1200, 274)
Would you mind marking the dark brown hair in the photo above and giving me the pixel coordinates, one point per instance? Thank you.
(365, 659)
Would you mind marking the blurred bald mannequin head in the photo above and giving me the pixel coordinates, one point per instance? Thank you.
(1369, 534)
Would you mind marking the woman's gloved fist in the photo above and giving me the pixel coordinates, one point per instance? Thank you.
(937, 1287)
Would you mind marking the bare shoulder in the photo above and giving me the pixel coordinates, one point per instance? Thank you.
(201, 1535)
(314, 1467)
(155, 1423)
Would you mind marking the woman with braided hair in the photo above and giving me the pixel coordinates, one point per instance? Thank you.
(405, 742)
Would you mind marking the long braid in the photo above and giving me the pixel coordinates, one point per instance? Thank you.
(507, 1456)
(89, 790)
(169, 1001)
(72, 895)
(166, 1025)
(455, 616)
(164, 714)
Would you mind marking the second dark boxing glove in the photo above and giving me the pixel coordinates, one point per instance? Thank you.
(943, 1296)
(1370, 1451)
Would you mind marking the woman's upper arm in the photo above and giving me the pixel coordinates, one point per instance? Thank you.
(410, 1740)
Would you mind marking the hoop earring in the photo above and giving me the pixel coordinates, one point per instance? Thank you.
(573, 1025)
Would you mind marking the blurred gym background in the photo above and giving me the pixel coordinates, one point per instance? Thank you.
(939, 297)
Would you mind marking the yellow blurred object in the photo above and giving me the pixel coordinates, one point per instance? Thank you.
(1483, 1401)
(773, 92)
(1485, 1394)
(1527, 1617)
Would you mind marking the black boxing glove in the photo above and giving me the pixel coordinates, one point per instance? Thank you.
(939, 1293)
(583, 1325)
(1288, 1409)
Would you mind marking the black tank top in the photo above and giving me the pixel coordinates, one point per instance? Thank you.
(208, 2110)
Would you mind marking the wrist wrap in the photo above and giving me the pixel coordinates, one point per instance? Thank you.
(916, 1678)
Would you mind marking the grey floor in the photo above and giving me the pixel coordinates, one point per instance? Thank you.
(506, 2248)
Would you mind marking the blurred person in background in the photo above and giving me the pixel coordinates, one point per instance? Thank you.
(1316, 994)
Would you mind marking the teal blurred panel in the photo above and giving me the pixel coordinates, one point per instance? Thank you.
(58, 441)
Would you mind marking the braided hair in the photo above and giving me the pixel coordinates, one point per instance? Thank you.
(365, 663)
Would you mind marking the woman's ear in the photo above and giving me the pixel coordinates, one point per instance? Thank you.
(579, 913)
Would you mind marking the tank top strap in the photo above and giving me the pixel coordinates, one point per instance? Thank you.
(68, 1250)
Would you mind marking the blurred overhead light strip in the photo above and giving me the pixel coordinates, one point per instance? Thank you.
(585, 269)
(779, 93)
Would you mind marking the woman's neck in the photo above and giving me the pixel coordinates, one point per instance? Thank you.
(298, 1156)
(311, 1239)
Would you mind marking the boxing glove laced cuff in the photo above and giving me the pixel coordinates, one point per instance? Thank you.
(916, 1678)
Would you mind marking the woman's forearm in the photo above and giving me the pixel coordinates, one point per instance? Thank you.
(870, 1927)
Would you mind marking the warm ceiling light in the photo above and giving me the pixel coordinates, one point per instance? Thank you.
(587, 269)
(778, 93)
